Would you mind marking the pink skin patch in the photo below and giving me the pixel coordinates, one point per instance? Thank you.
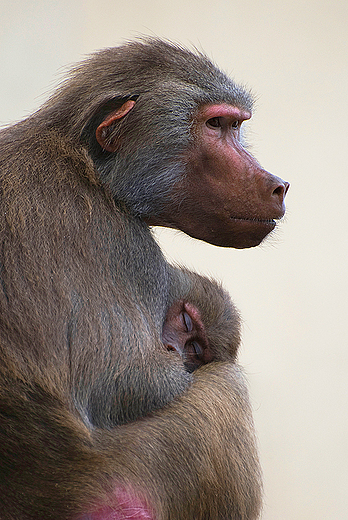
(227, 111)
(123, 505)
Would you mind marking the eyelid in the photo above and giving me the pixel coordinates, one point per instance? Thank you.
(187, 322)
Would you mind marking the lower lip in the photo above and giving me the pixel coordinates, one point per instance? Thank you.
(263, 222)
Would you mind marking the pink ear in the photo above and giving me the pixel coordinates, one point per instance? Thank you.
(101, 134)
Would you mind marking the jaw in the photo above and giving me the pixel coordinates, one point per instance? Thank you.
(239, 234)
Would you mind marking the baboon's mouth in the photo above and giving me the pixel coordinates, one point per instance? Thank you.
(254, 220)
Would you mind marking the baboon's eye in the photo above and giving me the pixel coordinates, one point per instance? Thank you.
(214, 122)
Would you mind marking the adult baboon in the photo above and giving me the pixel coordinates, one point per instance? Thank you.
(103, 414)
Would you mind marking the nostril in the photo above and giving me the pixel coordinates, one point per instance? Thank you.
(281, 190)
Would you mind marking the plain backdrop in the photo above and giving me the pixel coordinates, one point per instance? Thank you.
(292, 291)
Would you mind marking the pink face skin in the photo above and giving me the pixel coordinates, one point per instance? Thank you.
(184, 333)
(226, 198)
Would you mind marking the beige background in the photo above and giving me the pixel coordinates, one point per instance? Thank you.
(292, 291)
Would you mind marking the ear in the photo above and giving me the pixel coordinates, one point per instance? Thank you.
(102, 130)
